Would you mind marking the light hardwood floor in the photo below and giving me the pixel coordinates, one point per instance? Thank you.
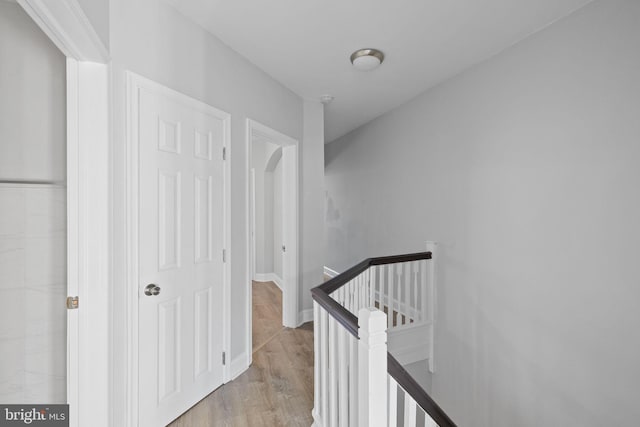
(277, 390)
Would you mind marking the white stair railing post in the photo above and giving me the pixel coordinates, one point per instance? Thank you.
(372, 367)
(432, 296)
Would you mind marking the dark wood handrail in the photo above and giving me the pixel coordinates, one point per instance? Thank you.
(322, 295)
(335, 310)
(422, 398)
(341, 279)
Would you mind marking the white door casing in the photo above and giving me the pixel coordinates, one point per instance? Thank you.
(88, 238)
(252, 222)
(182, 235)
(290, 230)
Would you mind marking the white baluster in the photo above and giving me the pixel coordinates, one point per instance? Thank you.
(409, 411)
(372, 285)
(364, 294)
(390, 296)
(428, 421)
(356, 284)
(406, 280)
(393, 402)
(432, 286)
(316, 362)
(377, 292)
(398, 270)
(353, 381)
(351, 304)
(372, 368)
(333, 373)
(417, 316)
(424, 287)
(343, 376)
(324, 338)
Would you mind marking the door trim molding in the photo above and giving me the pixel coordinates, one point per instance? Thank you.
(134, 84)
(88, 205)
(64, 22)
(290, 291)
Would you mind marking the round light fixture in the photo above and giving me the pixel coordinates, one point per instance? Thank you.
(326, 99)
(367, 59)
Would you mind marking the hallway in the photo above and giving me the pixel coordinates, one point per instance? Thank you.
(277, 390)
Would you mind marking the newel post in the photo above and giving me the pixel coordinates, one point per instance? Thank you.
(372, 368)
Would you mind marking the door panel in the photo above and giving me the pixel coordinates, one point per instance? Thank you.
(181, 241)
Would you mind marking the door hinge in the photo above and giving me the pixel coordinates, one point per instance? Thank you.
(224, 358)
(224, 153)
(224, 255)
(72, 303)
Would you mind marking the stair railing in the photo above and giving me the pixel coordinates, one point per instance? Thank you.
(357, 382)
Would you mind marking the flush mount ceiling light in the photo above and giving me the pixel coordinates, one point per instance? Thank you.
(367, 59)
(326, 99)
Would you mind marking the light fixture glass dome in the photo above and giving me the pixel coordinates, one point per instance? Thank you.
(367, 59)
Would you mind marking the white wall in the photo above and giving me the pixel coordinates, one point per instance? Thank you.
(257, 163)
(262, 153)
(525, 169)
(97, 12)
(33, 217)
(151, 39)
(32, 101)
(312, 202)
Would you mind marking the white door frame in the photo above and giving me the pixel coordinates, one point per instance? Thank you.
(290, 227)
(88, 219)
(252, 222)
(134, 84)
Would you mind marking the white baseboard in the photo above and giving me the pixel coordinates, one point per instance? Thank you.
(330, 272)
(262, 277)
(269, 277)
(305, 316)
(317, 421)
(277, 280)
(238, 365)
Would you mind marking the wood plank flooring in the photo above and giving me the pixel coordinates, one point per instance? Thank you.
(277, 390)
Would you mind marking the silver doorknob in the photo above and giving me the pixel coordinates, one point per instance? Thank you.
(151, 290)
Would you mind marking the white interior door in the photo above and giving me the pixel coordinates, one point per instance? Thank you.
(181, 257)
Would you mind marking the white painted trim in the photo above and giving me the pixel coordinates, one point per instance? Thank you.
(89, 358)
(261, 277)
(252, 223)
(305, 316)
(269, 277)
(88, 351)
(73, 250)
(317, 419)
(330, 272)
(134, 83)
(65, 23)
(237, 366)
(410, 343)
(432, 281)
(290, 293)
(277, 280)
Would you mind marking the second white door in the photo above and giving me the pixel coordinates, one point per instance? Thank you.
(181, 276)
